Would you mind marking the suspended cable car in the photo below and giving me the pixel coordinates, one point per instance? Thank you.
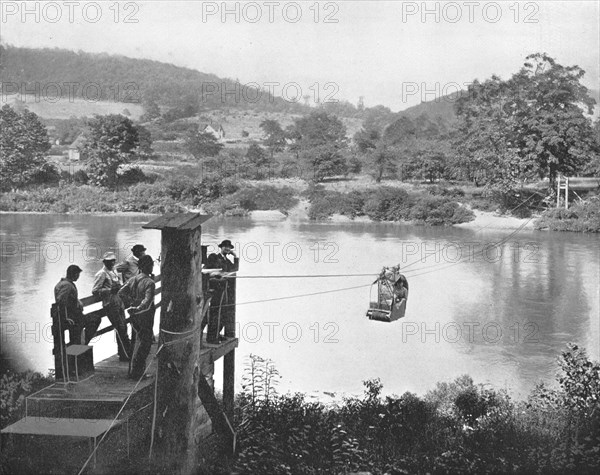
(389, 304)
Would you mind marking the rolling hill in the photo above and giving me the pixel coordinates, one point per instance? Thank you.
(101, 77)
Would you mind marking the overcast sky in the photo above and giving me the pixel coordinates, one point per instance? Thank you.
(391, 52)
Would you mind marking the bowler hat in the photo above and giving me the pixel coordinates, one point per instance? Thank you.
(109, 256)
(137, 248)
(226, 243)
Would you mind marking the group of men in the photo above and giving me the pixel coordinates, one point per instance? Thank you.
(133, 291)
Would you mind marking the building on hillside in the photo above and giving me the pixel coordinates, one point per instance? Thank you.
(213, 128)
(74, 149)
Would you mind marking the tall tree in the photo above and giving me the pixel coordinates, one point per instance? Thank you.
(321, 139)
(383, 160)
(202, 144)
(274, 136)
(112, 141)
(531, 125)
(23, 144)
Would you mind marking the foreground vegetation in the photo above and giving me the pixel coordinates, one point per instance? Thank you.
(458, 427)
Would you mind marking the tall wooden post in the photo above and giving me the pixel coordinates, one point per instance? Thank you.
(229, 358)
(180, 413)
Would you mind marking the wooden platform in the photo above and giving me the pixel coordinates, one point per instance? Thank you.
(100, 396)
(64, 421)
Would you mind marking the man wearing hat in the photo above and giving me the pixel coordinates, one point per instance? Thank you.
(70, 308)
(223, 292)
(138, 296)
(106, 286)
(129, 267)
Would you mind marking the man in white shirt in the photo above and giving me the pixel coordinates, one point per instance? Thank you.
(106, 286)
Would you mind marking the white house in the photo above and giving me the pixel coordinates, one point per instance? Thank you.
(213, 128)
(75, 148)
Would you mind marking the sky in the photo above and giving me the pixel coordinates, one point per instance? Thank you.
(395, 53)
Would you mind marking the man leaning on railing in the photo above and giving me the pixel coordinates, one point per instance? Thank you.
(106, 286)
(70, 308)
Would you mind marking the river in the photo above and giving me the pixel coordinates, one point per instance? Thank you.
(501, 314)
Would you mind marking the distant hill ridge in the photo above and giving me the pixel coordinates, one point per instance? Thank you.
(118, 78)
(105, 77)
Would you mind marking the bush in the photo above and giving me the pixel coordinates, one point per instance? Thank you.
(47, 174)
(14, 388)
(437, 211)
(81, 177)
(388, 204)
(458, 427)
(132, 176)
(581, 217)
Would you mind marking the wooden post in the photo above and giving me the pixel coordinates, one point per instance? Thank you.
(180, 413)
(229, 358)
(59, 349)
(560, 187)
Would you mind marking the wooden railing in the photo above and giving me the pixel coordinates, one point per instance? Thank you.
(101, 312)
(59, 328)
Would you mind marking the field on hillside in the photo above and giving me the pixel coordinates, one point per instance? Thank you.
(234, 122)
(65, 108)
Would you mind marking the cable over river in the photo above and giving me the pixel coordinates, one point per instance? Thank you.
(497, 305)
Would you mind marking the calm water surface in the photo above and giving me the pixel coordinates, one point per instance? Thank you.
(501, 316)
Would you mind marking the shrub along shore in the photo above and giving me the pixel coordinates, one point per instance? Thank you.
(186, 190)
(457, 427)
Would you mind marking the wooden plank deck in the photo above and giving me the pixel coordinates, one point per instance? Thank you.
(63, 417)
(103, 393)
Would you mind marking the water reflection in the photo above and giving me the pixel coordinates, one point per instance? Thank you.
(503, 318)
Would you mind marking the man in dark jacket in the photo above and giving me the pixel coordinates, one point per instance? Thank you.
(130, 266)
(223, 292)
(70, 308)
(138, 295)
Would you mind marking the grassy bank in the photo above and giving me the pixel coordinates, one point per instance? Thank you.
(190, 187)
(175, 195)
(457, 427)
